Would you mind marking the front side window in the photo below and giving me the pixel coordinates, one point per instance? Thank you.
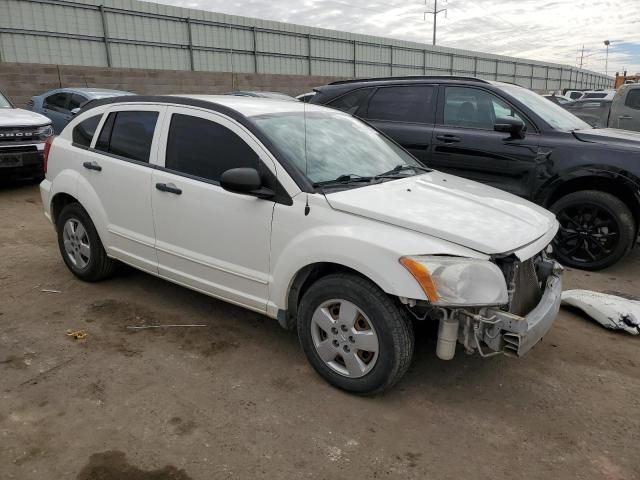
(57, 101)
(475, 108)
(128, 134)
(205, 149)
(633, 99)
(351, 101)
(83, 132)
(401, 104)
(325, 145)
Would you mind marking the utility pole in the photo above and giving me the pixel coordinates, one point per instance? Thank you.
(606, 61)
(581, 56)
(435, 13)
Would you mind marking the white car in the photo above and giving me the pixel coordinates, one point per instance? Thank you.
(309, 216)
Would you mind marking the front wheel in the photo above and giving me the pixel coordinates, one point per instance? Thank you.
(596, 230)
(354, 335)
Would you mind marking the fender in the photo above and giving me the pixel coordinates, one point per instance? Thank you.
(89, 200)
(64, 182)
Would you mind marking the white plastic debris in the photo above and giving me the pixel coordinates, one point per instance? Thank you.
(611, 311)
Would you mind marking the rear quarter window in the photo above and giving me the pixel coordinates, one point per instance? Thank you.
(83, 132)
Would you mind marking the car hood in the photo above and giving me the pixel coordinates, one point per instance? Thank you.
(17, 117)
(609, 136)
(467, 213)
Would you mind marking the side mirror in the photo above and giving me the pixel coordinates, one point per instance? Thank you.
(245, 181)
(75, 111)
(513, 126)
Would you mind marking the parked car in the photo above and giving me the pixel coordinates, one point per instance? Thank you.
(512, 138)
(593, 111)
(22, 139)
(598, 94)
(558, 100)
(261, 94)
(60, 104)
(306, 215)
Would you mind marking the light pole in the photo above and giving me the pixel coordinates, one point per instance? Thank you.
(606, 61)
(435, 13)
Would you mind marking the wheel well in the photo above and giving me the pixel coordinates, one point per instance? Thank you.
(602, 184)
(301, 283)
(59, 201)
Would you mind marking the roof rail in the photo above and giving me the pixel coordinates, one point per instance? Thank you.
(410, 77)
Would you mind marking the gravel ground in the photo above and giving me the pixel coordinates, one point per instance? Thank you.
(236, 399)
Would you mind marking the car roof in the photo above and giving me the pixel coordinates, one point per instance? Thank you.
(90, 92)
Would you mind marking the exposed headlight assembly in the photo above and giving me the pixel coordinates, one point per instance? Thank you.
(455, 281)
(44, 132)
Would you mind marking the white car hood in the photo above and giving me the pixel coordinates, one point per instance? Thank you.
(451, 208)
(17, 117)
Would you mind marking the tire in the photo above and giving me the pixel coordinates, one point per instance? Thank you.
(596, 230)
(76, 229)
(333, 299)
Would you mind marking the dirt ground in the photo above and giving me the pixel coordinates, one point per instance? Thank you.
(237, 399)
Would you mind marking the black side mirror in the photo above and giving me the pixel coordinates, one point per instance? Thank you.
(511, 125)
(245, 181)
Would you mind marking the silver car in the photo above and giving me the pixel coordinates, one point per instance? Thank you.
(62, 103)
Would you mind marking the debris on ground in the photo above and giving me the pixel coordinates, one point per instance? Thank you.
(76, 334)
(142, 327)
(611, 311)
(48, 290)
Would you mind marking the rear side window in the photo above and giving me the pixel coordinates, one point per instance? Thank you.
(128, 134)
(83, 132)
(351, 101)
(633, 99)
(205, 149)
(402, 104)
(56, 101)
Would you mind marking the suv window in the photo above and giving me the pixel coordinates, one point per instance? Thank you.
(475, 108)
(633, 99)
(402, 104)
(57, 101)
(575, 95)
(206, 149)
(83, 132)
(351, 101)
(128, 134)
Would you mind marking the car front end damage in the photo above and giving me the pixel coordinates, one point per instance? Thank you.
(489, 316)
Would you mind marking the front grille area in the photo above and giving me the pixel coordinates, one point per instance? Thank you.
(525, 290)
(18, 134)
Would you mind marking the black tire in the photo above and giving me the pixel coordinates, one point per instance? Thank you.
(98, 265)
(394, 332)
(596, 230)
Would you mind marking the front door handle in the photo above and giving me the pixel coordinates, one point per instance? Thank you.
(448, 138)
(92, 166)
(168, 187)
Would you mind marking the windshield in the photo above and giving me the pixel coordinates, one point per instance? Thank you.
(4, 103)
(336, 144)
(553, 114)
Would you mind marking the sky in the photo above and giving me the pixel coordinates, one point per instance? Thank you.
(547, 30)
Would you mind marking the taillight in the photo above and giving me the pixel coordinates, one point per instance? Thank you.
(47, 148)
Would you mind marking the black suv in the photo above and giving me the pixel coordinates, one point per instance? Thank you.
(511, 138)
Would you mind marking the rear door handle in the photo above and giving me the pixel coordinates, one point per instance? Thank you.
(168, 187)
(92, 166)
(448, 138)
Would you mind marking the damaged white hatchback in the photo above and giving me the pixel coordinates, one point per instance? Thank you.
(309, 216)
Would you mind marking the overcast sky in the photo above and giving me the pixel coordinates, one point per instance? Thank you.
(549, 30)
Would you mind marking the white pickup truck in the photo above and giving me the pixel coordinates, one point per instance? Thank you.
(22, 138)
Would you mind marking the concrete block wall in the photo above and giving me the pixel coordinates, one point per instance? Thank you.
(21, 81)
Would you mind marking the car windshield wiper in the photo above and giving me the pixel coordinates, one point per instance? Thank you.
(402, 168)
(344, 180)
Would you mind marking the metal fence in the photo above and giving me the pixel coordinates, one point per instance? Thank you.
(134, 34)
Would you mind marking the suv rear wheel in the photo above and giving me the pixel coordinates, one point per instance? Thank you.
(354, 335)
(80, 245)
(596, 230)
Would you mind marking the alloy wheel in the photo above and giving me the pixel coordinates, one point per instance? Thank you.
(76, 243)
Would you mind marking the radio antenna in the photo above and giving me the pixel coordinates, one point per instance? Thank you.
(307, 209)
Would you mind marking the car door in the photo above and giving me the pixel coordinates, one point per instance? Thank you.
(406, 113)
(465, 143)
(208, 238)
(626, 110)
(117, 168)
(56, 107)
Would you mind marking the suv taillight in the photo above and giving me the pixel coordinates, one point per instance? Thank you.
(47, 148)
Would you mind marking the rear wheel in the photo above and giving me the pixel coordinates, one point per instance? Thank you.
(80, 245)
(354, 335)
(596, 230)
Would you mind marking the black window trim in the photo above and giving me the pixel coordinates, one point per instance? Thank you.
(442, 98)
(432, 114)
